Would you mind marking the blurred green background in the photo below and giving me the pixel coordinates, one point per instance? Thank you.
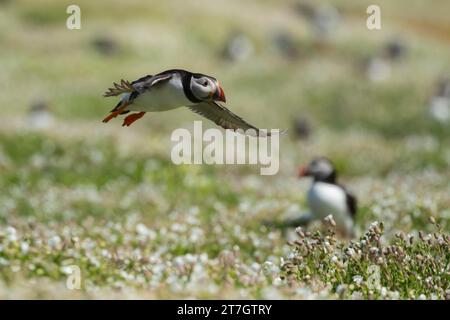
(282, 71)
(366, 99)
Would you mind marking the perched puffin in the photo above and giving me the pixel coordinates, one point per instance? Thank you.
(40, 115)
(173, 89)
(327, 197)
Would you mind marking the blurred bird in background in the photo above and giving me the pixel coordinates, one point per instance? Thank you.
(285, 44)
(105, 45)
(323, 19)
(326, 197)
(302, 128)
(395, 49)
(40, 115)
(238, 47)
(378, 67)
(439, 103)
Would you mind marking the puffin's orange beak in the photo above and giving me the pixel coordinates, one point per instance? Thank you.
(303, 172)
(219, 95)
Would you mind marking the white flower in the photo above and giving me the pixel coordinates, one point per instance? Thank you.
(141, 229)
(54, 241)
(196, 235)
(190, 258)
(351, 252)
(329, 219)
(395, 295)
(24, 246)
(358, 279)
(66, 269)
(3, 262)
(271, 293)
(203, 257)
(277, 281)
(373, 224)
(10, 230)
(292, 255)
(12, 234)
(256, 266)
(269, 268)
(374, 250)
(341, 289)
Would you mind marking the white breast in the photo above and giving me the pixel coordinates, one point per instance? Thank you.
(164, 96)
(325, 199)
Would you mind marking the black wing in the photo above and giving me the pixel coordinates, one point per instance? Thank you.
(147, 82)
(352, 203)
(137, 86)
(223, 117)
(144, 78)
(350, 199)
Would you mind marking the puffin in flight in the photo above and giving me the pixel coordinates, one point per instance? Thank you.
(172, 89)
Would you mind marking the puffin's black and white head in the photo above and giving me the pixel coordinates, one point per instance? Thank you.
(320, 169)
(206, 88)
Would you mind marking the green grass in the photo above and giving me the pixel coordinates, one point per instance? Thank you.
(109, 200)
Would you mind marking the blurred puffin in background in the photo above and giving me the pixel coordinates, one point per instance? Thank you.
(238, 47)
(323, 19)
(326, 196)
(439, 103)
(40, 115)
(379, 66)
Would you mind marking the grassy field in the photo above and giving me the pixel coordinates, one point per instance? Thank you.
(110, 201)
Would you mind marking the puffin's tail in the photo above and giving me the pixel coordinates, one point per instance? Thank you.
(119, 88)
(128, 94)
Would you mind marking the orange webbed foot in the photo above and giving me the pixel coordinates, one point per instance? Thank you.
(117, 112)
(110, 116)
(132, 118)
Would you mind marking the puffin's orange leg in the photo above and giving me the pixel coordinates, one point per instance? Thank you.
(132, 118)
(116, 113)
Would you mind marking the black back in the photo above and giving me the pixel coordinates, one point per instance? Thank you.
(352, 203)
(186, 77)
(331, 178)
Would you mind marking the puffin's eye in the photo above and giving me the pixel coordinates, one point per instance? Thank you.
(205, 83)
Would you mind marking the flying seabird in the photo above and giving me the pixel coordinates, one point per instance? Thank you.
(172, 89)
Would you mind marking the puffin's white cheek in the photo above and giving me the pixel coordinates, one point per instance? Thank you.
(198, 91)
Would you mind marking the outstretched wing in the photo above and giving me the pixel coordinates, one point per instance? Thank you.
(147, 82)
(223, 117)
(140, 85)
